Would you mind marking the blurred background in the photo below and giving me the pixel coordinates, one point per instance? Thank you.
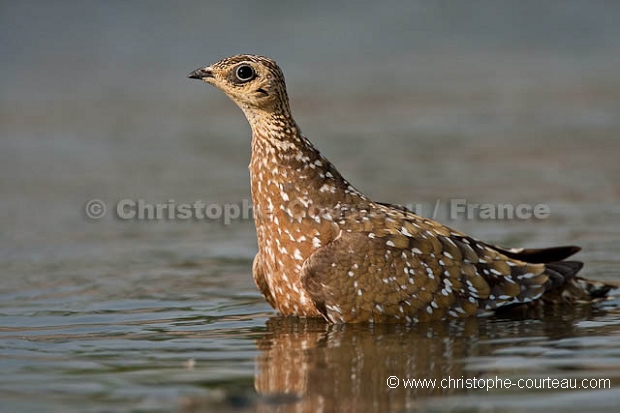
(414, 101)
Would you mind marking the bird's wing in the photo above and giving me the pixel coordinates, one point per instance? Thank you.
(392, 265)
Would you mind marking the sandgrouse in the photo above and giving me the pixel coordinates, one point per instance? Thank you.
(327, 250)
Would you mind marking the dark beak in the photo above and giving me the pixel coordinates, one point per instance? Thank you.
(201, 73)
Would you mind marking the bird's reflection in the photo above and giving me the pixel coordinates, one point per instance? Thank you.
(310, 366)
(345, 368)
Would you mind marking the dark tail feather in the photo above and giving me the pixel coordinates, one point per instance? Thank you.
(560, 273)
(565, 286)
(566, 269)
(541, 255)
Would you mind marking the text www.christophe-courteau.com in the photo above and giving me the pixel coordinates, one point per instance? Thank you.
(491, 383)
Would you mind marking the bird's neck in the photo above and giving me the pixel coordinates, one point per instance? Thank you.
(287, 171)
(277, 129)
(298, 196)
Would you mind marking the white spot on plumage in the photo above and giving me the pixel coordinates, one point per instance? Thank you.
(316, 243)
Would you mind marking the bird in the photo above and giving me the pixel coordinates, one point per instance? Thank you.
(327, 250)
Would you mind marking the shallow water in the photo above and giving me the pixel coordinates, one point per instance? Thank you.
(441, 103)
(177, 351)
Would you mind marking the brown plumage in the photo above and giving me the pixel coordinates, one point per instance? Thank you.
(325, 249)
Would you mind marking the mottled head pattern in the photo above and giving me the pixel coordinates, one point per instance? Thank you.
(325, 249)
(255, 83)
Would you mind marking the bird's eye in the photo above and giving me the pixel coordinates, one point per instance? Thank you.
(245, 73)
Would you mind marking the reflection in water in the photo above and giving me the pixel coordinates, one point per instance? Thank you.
(308, 366)
(340, 368)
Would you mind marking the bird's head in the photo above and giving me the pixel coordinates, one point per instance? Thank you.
(254, 83)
